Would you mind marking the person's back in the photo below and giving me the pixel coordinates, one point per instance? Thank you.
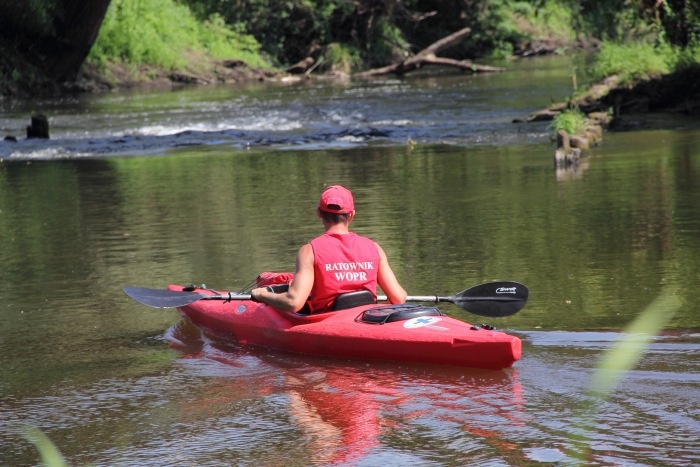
(336, 262)
(342, 263)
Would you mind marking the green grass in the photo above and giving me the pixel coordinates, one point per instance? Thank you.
(572, 121)
(158, 32)
(632, 61)
(549, 19)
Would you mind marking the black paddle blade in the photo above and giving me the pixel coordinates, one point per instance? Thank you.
(493, 299)
(162, 298)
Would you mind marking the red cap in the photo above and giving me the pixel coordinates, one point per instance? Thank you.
(337, 200)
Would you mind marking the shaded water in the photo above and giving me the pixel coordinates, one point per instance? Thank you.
(114, 383)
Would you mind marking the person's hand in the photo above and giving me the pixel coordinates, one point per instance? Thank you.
(255, 294)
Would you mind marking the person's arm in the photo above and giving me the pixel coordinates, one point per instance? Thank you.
(387, 280)
(295, 297)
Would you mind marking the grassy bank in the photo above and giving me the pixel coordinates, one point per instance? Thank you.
(632, 62)
(140, 39)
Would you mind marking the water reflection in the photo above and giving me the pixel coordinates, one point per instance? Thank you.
(345, 413)
(573, 172)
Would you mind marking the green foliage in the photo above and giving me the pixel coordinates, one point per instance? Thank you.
(572, 121)
(386, 44)
(341, 58)
(369, 33)
(497, 30)
(632, 61)
(623, 21)
(382, 32)
(687, 57)
(222, 41)
(288, 30)
(680, 20)
(496, 26)
(609, 20)
(158, 32)
(553, 19)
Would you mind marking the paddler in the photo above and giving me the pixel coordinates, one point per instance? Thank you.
(335, 263)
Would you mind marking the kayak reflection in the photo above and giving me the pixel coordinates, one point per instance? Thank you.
(341, 412)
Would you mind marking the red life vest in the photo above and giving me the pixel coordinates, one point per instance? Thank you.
(342, 263)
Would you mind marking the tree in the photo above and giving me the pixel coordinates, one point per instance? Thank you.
(54, 36)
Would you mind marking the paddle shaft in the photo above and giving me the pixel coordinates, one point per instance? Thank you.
(380, 298)
(438, 299)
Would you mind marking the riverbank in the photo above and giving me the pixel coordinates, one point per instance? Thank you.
(643, 104)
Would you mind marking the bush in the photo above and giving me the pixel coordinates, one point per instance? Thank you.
(686, 58)
(341, 58)
(572, 121)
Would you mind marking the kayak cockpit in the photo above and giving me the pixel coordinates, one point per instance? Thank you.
(391, 313)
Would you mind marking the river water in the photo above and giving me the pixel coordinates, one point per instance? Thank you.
(214, 185)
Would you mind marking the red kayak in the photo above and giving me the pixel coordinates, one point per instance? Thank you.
(408, 332)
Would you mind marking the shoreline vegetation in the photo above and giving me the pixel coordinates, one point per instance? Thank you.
(647, 56)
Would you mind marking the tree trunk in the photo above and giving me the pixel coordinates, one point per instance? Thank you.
(76, 30)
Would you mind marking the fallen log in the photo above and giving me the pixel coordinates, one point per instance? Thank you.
(428, 56)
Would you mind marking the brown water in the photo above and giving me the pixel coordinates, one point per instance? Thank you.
(112, 382)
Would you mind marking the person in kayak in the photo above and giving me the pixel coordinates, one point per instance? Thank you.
(337, 262)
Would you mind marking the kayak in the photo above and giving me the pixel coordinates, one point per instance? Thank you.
(407, 332)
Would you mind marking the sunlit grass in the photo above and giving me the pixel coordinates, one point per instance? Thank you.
(633, 61)
(158, 32)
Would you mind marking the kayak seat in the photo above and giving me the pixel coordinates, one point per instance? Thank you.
(353, 299)
(391, 313)
(342, 301)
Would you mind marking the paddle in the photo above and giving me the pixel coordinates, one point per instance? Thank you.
(492, 299)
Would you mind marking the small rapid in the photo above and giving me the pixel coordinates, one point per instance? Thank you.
(309, 114)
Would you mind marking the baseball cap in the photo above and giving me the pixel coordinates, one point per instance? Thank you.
(336, 199)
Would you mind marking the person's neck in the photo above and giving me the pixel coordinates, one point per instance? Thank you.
(339, 229)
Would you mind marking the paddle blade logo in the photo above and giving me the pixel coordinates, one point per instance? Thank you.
(510, 290)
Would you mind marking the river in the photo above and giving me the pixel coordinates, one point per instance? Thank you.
(216, 184)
